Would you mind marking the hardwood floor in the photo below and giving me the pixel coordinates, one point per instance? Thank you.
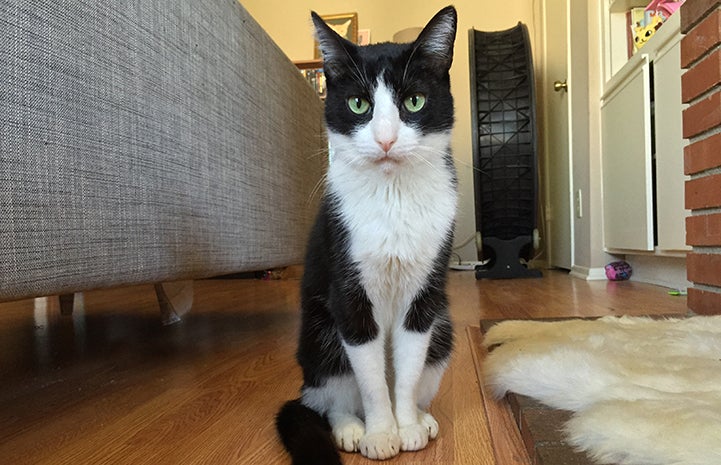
(109, 384)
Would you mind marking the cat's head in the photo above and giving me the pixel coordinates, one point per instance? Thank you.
(388, 104)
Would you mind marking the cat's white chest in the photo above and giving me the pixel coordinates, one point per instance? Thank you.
(397, 226)
(395, 223)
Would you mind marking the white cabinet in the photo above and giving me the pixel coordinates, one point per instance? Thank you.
(627, 160)
(668, 121)
(641, 130)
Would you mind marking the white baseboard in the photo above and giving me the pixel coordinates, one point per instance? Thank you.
(661, 271)
(588, 274)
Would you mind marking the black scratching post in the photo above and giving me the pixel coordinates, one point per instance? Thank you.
(504, 151)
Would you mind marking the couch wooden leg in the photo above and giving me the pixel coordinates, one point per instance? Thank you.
(66, 304)
(175, 300)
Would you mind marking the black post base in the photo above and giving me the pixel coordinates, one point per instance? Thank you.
(506, 264)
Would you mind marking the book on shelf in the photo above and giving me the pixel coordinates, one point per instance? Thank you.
(312, 71)
(316, 78)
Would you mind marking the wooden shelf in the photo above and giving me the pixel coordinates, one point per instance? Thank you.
(313, 71)
(621, 6)
(308, 64)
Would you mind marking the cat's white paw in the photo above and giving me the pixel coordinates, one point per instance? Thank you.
(416, 437)
(348, 433)
(413, 437)
(380, 446)
(430, 423)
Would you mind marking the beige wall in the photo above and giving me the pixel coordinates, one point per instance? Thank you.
(288, 23)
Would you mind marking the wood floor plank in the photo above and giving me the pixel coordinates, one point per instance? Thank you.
(472, 436)
(508, 448)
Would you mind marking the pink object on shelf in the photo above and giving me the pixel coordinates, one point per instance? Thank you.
(664, 8)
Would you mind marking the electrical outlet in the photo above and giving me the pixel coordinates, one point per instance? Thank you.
(579, 203)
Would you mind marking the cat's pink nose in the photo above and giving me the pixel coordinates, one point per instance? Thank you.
(386, 145)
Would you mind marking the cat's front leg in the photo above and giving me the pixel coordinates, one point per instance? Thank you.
(409, 356)
(381, 440)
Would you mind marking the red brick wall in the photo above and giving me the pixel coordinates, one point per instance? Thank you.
(701, 89)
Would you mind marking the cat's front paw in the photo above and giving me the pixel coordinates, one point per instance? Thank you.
(413, 437)
(416, 437)
(430, 423)
(380, 446)
(348, 433)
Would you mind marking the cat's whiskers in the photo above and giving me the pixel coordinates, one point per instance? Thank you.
(420, 150)
(457, 161)
(469, 165)
(318, 186)
(419, 153)
(362, 79)
(358, 73)
(418, 156)
(317, 153)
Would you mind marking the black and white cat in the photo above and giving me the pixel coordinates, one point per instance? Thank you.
(376, 336)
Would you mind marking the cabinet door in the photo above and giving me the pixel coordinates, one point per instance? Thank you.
(627, 177)
(671, 214)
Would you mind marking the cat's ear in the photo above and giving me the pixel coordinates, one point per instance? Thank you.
(335, 49)
(437, 38)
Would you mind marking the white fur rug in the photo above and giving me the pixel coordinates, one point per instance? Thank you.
(644, 392)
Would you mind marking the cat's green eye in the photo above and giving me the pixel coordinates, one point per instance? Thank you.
(415, 102)
(358, 105)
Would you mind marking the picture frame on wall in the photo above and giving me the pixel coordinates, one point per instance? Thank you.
(345, 24)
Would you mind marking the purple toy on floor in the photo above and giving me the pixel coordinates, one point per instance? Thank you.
(618, 271)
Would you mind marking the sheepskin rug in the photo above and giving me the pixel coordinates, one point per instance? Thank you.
(644, 391)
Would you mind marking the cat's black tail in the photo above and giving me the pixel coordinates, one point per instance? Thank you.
(306, 435)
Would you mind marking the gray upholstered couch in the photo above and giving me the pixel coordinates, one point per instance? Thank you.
(148, 141)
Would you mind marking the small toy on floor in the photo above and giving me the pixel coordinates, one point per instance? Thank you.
(618, 271)
(677, 292)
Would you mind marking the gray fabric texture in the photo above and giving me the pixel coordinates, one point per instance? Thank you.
(146, 141)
